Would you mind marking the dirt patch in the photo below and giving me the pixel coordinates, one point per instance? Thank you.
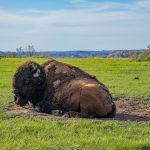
(126, 111)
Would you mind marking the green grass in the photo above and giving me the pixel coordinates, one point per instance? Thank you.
(19, 133)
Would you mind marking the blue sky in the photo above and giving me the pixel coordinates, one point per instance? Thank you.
(49, 4)
(74, 24)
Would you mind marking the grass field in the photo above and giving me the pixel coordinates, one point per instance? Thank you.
(126, 79)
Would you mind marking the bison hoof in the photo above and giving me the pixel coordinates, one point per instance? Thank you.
(56, 112)
(37, 109)
(66, 116)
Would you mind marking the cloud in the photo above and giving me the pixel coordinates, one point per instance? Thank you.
(111, 5)
(104, 25)
(143, 4)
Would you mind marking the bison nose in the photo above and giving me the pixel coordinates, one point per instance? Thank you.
(21, 102)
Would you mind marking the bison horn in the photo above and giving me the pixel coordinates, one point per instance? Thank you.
(37, 73)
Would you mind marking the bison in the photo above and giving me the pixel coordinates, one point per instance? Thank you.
(58, 87)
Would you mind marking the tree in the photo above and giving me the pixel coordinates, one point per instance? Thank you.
(30, 50)
(145, 55)
(11, 54)
(148, 47)
(19, 51)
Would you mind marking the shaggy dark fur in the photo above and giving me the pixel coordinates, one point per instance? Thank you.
(58, 87)
(26, 87)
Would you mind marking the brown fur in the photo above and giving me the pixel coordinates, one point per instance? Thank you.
(58, 86)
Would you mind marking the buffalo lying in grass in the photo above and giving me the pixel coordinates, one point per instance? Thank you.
(59, 88)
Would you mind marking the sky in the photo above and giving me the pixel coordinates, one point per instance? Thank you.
(58, 25)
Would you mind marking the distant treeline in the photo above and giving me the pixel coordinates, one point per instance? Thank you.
(135, 54)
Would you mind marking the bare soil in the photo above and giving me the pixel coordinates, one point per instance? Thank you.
(127, 110)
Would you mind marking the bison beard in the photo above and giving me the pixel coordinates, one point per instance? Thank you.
(59, 88)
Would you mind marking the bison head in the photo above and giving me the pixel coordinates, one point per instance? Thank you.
(29, 83)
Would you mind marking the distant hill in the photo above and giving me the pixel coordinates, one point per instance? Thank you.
(61, 54)
(2, 53)
(81, 53)
(75, 54)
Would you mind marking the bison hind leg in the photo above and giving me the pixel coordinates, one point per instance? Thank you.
(94, 101)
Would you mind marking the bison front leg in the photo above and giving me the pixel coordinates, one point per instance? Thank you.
(73, 114)
(43, 106)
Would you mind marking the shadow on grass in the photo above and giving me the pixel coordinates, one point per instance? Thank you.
(129, 117)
